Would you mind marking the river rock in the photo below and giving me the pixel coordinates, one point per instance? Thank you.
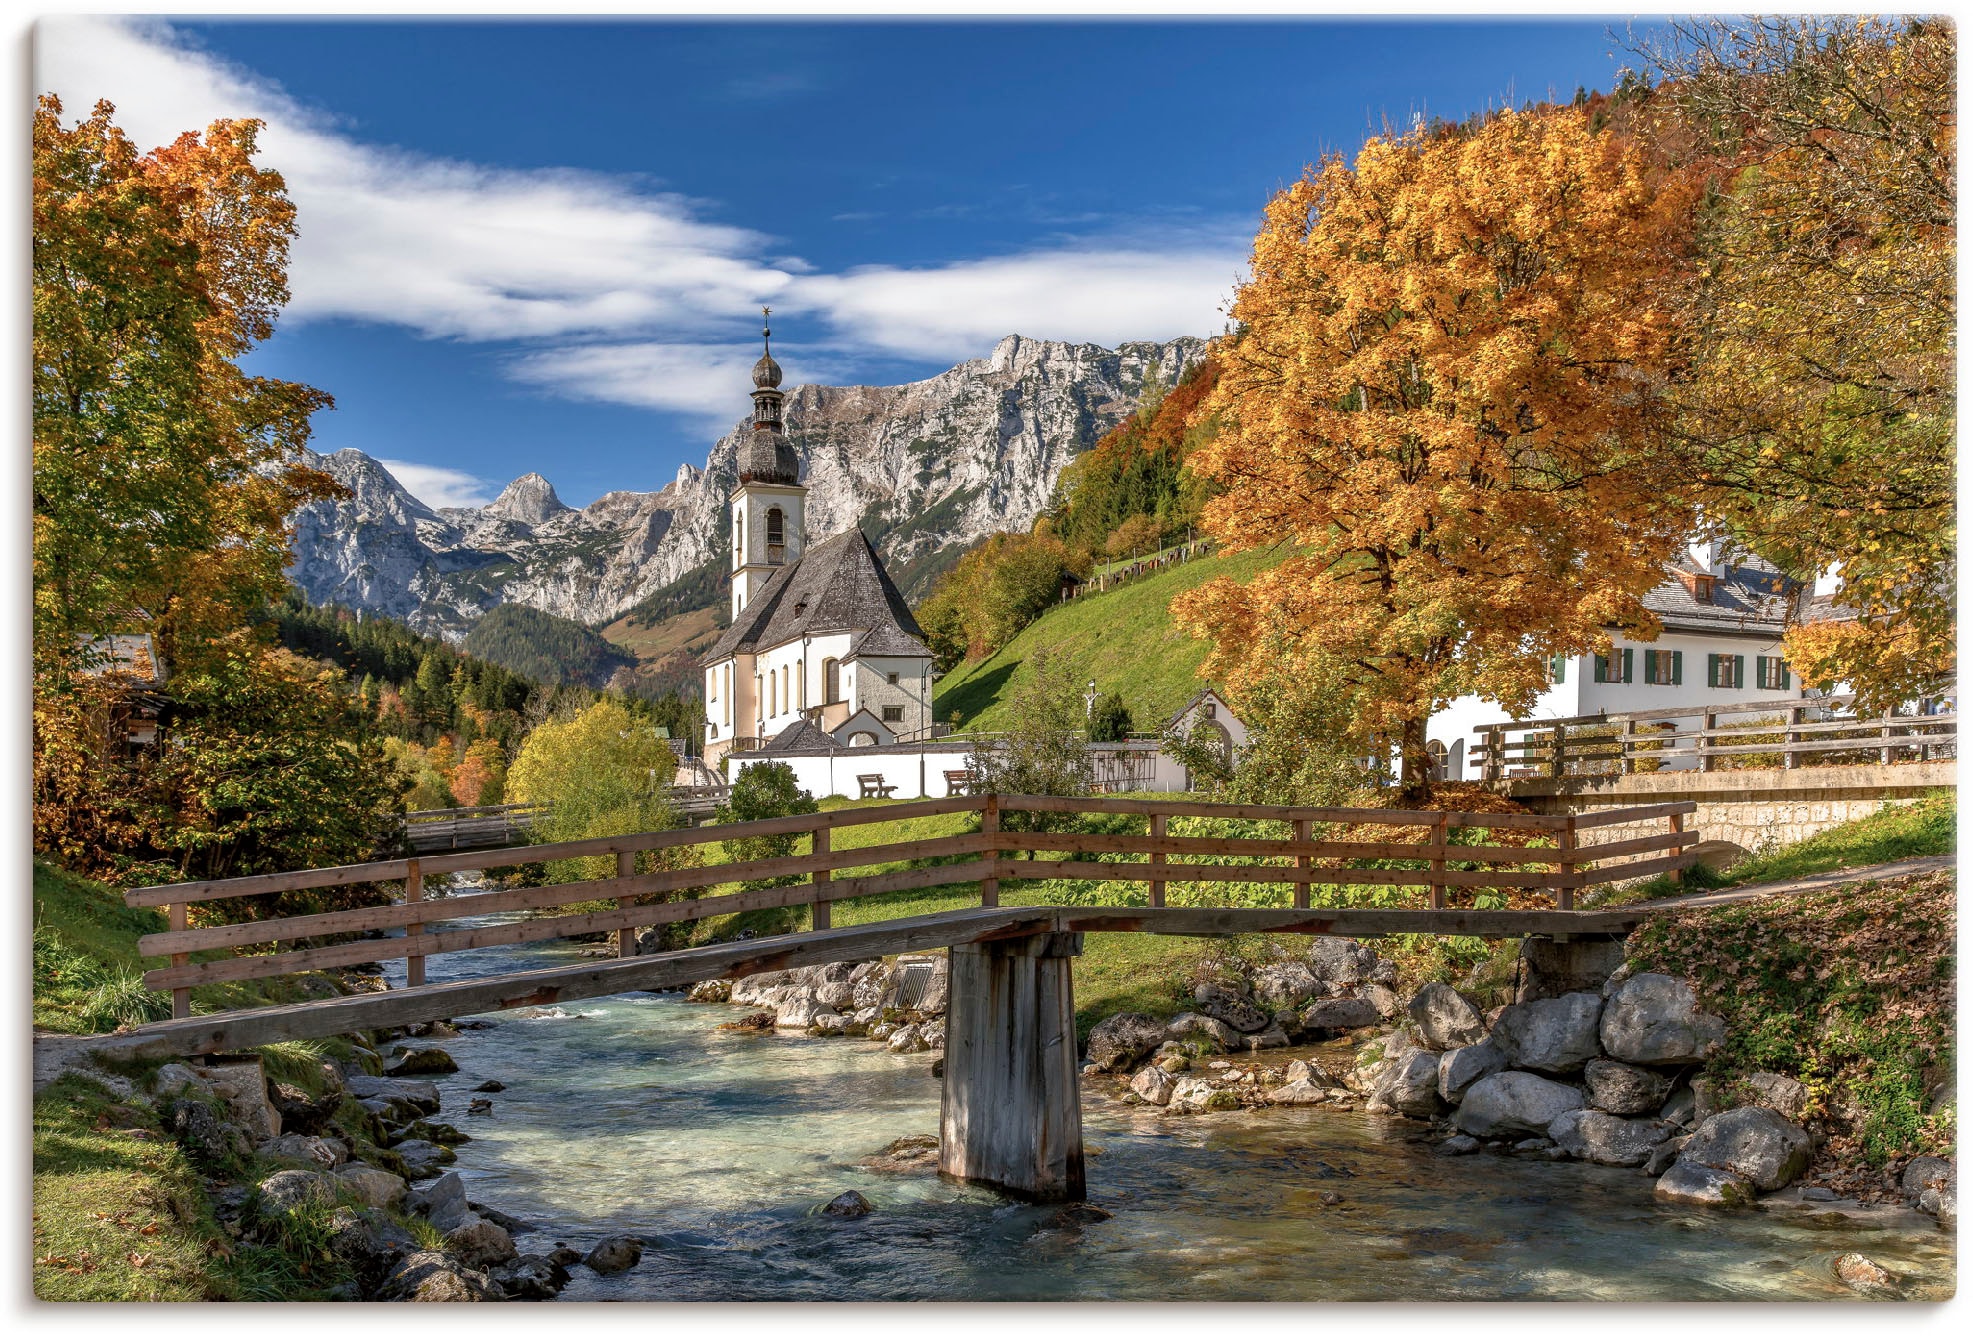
(1153, 1085)
(242, 1088)
(1272, 1037)
(174, 1079)
(1340, 1013)
(442, 1201)
(837, 996)
(1627, 1091)
(1690, 1184)
(1409, 1084)
(1298, 1092)
(1508, 1102)
(710, 990)
(936, 988)
(1195, 1095)
(207, 1138)
(369, 1240)
(1926, 1171)
(1757, 1144)
(308, 1150)
(300, 1113)
(1387, 1002)
(1662, 1155)
(1335, 960)
(432, 1277)
(1286, 984)
(1554, 1034)
(911, 1154)
(1116, 1044)
(480, 1243)
(374, 1187)
(827, 1024)
(1222, 1037)
(797, 1013)
(619, 1252)
(424, 1159)
(443, 1134)
(848, 1205)
(1682, 1107)
(1865, 1276)
(283, 1192)
(1460, 1144)
(751, 990)
(908, 1039)
(422, 1096)
(1783, 1094)
(530, 1277)
(870, 983)
(422, 1062)
(1654, 1020)
(1444, 1018)
(1603, 1138)
(1459, 1068)
(1229, 1007)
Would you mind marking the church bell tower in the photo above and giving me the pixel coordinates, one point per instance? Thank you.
(767, 505)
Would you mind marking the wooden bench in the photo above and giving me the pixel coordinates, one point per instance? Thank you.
(957, 782)
(873, 786)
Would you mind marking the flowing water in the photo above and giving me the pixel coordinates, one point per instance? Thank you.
(634, 1114)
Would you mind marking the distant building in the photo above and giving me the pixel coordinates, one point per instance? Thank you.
(132, 665)
(819, 635)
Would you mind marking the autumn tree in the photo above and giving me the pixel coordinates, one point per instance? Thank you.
(1820, 412)
(994, 591)
(1442, 408)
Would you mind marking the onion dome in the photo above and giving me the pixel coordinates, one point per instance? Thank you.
(766, 455)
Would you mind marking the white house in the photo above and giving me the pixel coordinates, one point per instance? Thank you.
(1723, 613)
(819, 635)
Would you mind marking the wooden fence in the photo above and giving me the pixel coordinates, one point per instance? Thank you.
(1310, 856)
(1780, 733)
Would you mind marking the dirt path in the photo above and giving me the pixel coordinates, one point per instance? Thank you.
(1908, 867)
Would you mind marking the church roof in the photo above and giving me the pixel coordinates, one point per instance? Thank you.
(798, 738)
(837, 585)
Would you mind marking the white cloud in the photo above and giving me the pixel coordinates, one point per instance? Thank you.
(614, 292)
(439, 487)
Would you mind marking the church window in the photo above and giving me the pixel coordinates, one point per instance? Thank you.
(787, 702)
(893, 714)
(891, 678)
(770, 694)
(776, 527)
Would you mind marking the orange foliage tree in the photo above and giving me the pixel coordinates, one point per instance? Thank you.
(1441, 399)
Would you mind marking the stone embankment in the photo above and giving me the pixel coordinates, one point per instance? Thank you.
(365, 1172)
(898, 1003)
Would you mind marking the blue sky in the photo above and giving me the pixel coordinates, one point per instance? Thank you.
(542, 246)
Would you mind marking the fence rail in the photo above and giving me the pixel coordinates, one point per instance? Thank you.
(1320, 852)
(1793, 732)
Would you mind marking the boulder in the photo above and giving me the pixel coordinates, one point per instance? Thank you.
(710, 990)
(301, 1114)
(283, 1192)
(870, 983)
(1298, 1092)
(422, 1096)
(1195, 1095)
(1756, 1144)
(1783, 1094)
(480, 1243)
(1116, 1044)
(1459, 1068)
(1222, 1037)
(372, 1186)
(1926, 1171)
(1335, 960)
(1445, 1019)
(1554, 1034)
(1388, 1003)
(307, 1150)
(1229, 1006)
(1682, 1107)
(827, 1023)
(1153, 1085)
(197, 1126)
(1627, 1091)
(1690, 1184)
(797, 1013)
(1288, 984)
(1508, 1102)
(1272, 1037)
(619, 1252)
(1603, 1138)
(1340, 1013)
(837, 996)
(936, 988)
(1945, 1204)
(530, 1277)
(432, 1277)
(908, 1039)
(242, 1088)
(1662, 1155)
(423, 1159)
(1459, 1144)
(848, 1205)
(1865, 1276)
(422, 1062)
(1409, 1084)
(175, 1078)
(370, 1241)
(1653, 1020)
(751, 990)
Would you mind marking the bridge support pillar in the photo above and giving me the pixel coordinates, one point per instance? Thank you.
(1012, 1114)
(1552, 967)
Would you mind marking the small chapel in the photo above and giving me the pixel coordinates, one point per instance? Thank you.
(821, 641)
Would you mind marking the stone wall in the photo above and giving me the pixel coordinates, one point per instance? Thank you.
(1755, 810)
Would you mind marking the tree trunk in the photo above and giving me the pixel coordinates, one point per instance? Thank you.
(1415, 773)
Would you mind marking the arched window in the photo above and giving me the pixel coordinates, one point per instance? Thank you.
(770, 693)
(776, 527)
(739, 537)
(1436, 750)
(832, 681)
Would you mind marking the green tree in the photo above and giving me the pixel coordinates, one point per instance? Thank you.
(1109, 719)
(1045, 753)
(760, 791)
(605, 773)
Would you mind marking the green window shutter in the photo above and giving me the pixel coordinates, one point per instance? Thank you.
(1678, 667)
(1713, 670)
(1602, 668)
(1785, 678)
(1558, 668)
(1627, 666)
(1739, 670)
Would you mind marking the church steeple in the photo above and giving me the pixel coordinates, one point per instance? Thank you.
(768, 504)
(767, 456)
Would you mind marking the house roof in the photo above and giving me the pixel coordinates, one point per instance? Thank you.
(863, 720)
(1192, 704)
(130, 656)
(838, 585)
(800, 737)
(1749, 597)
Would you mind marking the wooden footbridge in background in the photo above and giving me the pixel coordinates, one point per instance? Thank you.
(1011, 1116)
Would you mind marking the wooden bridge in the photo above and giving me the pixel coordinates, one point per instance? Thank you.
(445, 829)
(1011, 1116)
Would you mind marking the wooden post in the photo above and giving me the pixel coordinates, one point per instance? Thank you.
(1436, 887)
(626, 937)
(1627, 748)
(1887, 753)
(1491, 767)
(181, 998)
(1704, 742)
(1010, 1116)
(990, 825)
(1558, 751)
(818, 909)
(414, 890)
(1677, 820)
(1303, 828)
(1156, 881)
(1790, 758)
(1565, 894)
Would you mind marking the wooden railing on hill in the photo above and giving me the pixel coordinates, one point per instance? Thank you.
(1771, 733)
(1309, 857)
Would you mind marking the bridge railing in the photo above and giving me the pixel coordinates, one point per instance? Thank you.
(1309, 857)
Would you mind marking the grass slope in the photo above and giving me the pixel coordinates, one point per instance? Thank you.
(1124, 639)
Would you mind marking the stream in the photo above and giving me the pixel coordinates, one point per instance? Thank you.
(635, 1114)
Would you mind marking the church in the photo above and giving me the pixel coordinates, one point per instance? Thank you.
(820, 639)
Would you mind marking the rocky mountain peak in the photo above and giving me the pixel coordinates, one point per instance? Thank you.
(530, 499)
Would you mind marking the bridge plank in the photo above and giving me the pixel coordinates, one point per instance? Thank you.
(1077, 842)
(1041, 869)
(1350, 922)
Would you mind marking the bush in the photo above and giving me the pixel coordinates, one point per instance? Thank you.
(1045, 754)
(763, 791)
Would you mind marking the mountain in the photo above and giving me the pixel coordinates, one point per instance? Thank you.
(545, 647)
(926, 469)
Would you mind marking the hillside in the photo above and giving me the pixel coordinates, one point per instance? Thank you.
(667, 650)
(1124, 639)
(545, 647)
